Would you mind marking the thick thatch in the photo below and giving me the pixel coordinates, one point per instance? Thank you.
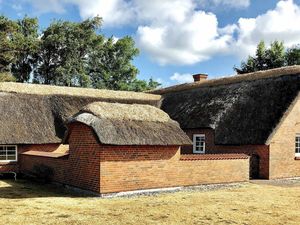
(244, 112)
(39, 117)
(125, 124)
(272, 73)
(109, 95)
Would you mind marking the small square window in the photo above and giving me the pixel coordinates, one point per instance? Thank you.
(199, 143)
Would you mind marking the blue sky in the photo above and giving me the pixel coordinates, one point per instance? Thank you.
(178, 38)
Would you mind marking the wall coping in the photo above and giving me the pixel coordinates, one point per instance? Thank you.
(45, 154)
(190, 157)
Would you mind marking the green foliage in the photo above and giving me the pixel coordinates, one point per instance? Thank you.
(141, 85)
(292, 56)
(64, 51)
(110, 64)
(69, 54)
(268, 58)
(26, 44)
(6, 77)
(8, 29)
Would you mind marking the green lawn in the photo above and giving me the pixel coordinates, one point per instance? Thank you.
(23, 203)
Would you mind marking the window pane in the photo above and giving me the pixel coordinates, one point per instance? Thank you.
(11, 153)
(11, 148)
(2, 157)
(11, 157)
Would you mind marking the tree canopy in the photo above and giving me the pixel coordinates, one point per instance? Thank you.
(68, 54)
(268, 58)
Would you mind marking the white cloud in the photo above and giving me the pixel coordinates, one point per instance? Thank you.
(281, 23)
(228, 3)
(193, 38)
(177, 32)
(113, 12)
(182, 78)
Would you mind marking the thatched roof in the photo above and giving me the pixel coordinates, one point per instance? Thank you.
(242, 110)
(35, 114)
(131, 124)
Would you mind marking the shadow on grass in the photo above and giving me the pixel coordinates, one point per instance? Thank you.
(30, 189)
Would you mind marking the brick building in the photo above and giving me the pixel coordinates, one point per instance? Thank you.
(257, 114)
(209, 131)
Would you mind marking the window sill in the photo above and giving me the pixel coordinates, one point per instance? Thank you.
(7, 162)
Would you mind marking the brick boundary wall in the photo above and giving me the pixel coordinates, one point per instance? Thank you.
(109, 169)
(126, 168)
(211, 148)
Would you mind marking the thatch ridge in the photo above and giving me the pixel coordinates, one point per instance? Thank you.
(137, 129)
(39, 89)
(120, 111)
(272, 73)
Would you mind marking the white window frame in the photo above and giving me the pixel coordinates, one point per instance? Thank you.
(195, 136)
(16, 150)
(297, 145)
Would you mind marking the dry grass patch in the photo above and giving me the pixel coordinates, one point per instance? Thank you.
(26, 203)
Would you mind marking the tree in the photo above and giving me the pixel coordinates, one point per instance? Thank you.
(141, 85)
(110, 64)
(265, 58)
(64, 51)
(292, 56)
(68, 54)
(26, 44)
(7, 46)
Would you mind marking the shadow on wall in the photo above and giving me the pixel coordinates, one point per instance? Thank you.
(29, 189)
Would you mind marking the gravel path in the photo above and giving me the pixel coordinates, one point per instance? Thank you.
(288, 182)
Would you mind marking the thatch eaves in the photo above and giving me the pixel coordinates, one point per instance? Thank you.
(126, 124)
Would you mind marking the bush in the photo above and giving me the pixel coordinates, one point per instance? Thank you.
(43, 172)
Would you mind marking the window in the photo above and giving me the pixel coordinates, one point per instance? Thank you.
(199, 143)
(8, 153)
(297, 145)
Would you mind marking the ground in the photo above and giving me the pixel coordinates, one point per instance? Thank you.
(24, 202)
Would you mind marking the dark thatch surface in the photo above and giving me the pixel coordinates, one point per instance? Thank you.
(133, 128)
(40, 118)
(244, 112)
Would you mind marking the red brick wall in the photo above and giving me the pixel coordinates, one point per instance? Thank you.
(210, 148)
(81, 168)
(9, 167)
(125, 168)
(107, 169)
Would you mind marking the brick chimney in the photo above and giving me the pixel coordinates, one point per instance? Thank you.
(200, 77)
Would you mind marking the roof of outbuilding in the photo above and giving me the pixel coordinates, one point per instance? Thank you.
(131, 124)
(243, 109)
